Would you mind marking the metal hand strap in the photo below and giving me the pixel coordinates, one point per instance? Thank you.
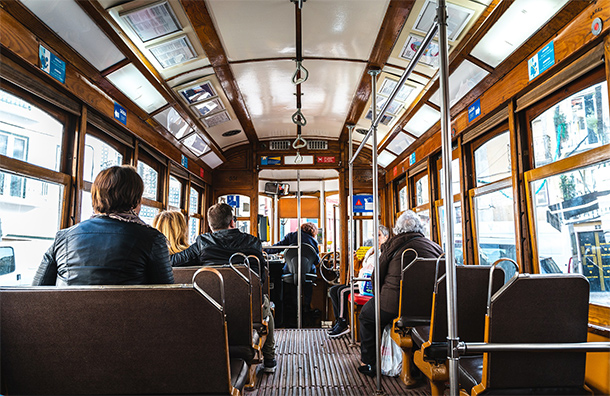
(299, 119)
(296, 80)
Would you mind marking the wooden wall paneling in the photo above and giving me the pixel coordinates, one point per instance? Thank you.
(517, 182)
(468, 221)
(78, 165)
(341, 232)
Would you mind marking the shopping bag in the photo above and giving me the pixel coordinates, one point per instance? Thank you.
(366, 288)
(391, 354)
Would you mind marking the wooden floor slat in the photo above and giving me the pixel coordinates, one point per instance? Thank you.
(312, 364)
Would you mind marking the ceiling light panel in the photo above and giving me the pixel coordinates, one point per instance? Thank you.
(461, 81)
(208, 107)
(173, 52)
(173, 122)
(75, 27)
(196, 144)
(400, 143)
(457, 18)
(269, 95)
(503, 39)
(152, 21)
(136, 87)
(423, 120)
(212, 160)
(385, 158)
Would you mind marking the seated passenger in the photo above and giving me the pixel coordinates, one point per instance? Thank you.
(172, 224)
(339, 294)
(409, 233)
(114, 246)
(309, 232)
(217, 247)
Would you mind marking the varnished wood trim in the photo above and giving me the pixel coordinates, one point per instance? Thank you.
(203, 24)
(79, 164)
(22, 168)
(577, 161)
(491, 187)
(119, 65)
(515, 159)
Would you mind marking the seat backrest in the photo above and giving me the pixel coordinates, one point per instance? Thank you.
(112, 340)
(416, 289)
(472, 290)
(538, 309)
(308, 258)
(184, 274)
(238, 304)
(257, 293)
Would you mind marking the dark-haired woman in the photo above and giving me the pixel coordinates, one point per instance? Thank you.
(114, 247)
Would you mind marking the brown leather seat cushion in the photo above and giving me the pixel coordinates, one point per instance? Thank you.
(471, 372)
(239, 373)
(419, 335)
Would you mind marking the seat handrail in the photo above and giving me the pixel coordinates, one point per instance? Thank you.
(474, 348)
(246, 261)
(220, 306)
(260, 269)
(402, 258)
(438, 260)
(491, 274)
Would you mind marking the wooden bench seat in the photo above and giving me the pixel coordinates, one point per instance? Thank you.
(115, 340)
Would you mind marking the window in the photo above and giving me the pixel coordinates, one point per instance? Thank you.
(29, 133)
(492, 160)
(175, 193)
(455, 176)
(332, 226)
(148, 213)
(151, 180)
(150, 169)
(99, 155)
(457, 230)
(421, 191)
(241, 207)
(194, 210)
(577, 123)
(424, 215)
(420, 199)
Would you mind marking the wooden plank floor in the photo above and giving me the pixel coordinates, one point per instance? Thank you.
(310, 363)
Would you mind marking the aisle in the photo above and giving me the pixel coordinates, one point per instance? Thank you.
(309, 363)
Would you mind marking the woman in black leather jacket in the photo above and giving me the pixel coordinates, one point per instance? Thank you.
(114, 247)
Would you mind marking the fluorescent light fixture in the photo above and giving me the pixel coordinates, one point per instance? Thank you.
(173, 52)
(198, 92)
(461, 81)
(212, 160)
(173, 122)
(136, 87)
(503, 39)
(423, 120)
(385, 120)
(217, 119)
(208, 107)
(457, 18)
(400, 143)
(196, 144)
(430, 55)
(385, 158)
(152, 21)
(75, 27)
(394, 107)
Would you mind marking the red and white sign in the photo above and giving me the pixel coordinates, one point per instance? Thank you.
(325, 160)
(201, 172)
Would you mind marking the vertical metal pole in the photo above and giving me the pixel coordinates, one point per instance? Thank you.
(299, 280)
(374, 74)
(452, 337)
(276, 219)
(322, 226)
(350, 239)
(335, 237)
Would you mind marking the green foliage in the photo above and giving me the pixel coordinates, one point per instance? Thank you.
(567, 187)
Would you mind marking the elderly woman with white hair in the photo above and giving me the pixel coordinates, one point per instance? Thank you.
(408, 233)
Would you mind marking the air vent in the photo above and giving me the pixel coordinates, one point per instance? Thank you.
(362, 131)
(280, 145)
(317, 145)
(232, 132)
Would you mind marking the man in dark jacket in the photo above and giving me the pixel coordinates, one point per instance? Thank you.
(217, 247)
(409, 233)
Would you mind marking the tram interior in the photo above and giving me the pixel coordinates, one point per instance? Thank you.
(280, 109)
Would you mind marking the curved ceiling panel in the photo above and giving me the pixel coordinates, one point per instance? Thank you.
(269, 95)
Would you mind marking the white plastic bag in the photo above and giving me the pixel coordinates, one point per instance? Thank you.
(391, 354)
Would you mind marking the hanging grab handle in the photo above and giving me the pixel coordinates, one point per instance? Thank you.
(299, 158)
(296, 145)
(298, 118)
(304, 74)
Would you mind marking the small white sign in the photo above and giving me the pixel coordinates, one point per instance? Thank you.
(291, 160)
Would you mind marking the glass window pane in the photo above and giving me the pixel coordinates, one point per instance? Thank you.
(99, 155)
(244, 226)
(28, 224)
(194, 201)
(492, 159)
(457, 230)
(86, 210)
(193, 229)
(495, 222)
(421, 191)
(175, 192)
(148, 213)
(151, 178)
(576, 124)
(424, 215)
(241, 204)
(28, 133)
(402, 199)
(572, 214)
(455, 177)
(332, 227)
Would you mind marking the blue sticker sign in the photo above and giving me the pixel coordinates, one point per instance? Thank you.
(363, 203)
(265, 160)
(543, 59)
(412, 158)
(233, 200)
(184, 161)
(52, 65)
(120, 113)
(474, 110)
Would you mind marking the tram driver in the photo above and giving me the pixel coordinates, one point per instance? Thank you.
(408, 233)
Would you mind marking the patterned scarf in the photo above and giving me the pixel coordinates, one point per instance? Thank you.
(129, 217)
